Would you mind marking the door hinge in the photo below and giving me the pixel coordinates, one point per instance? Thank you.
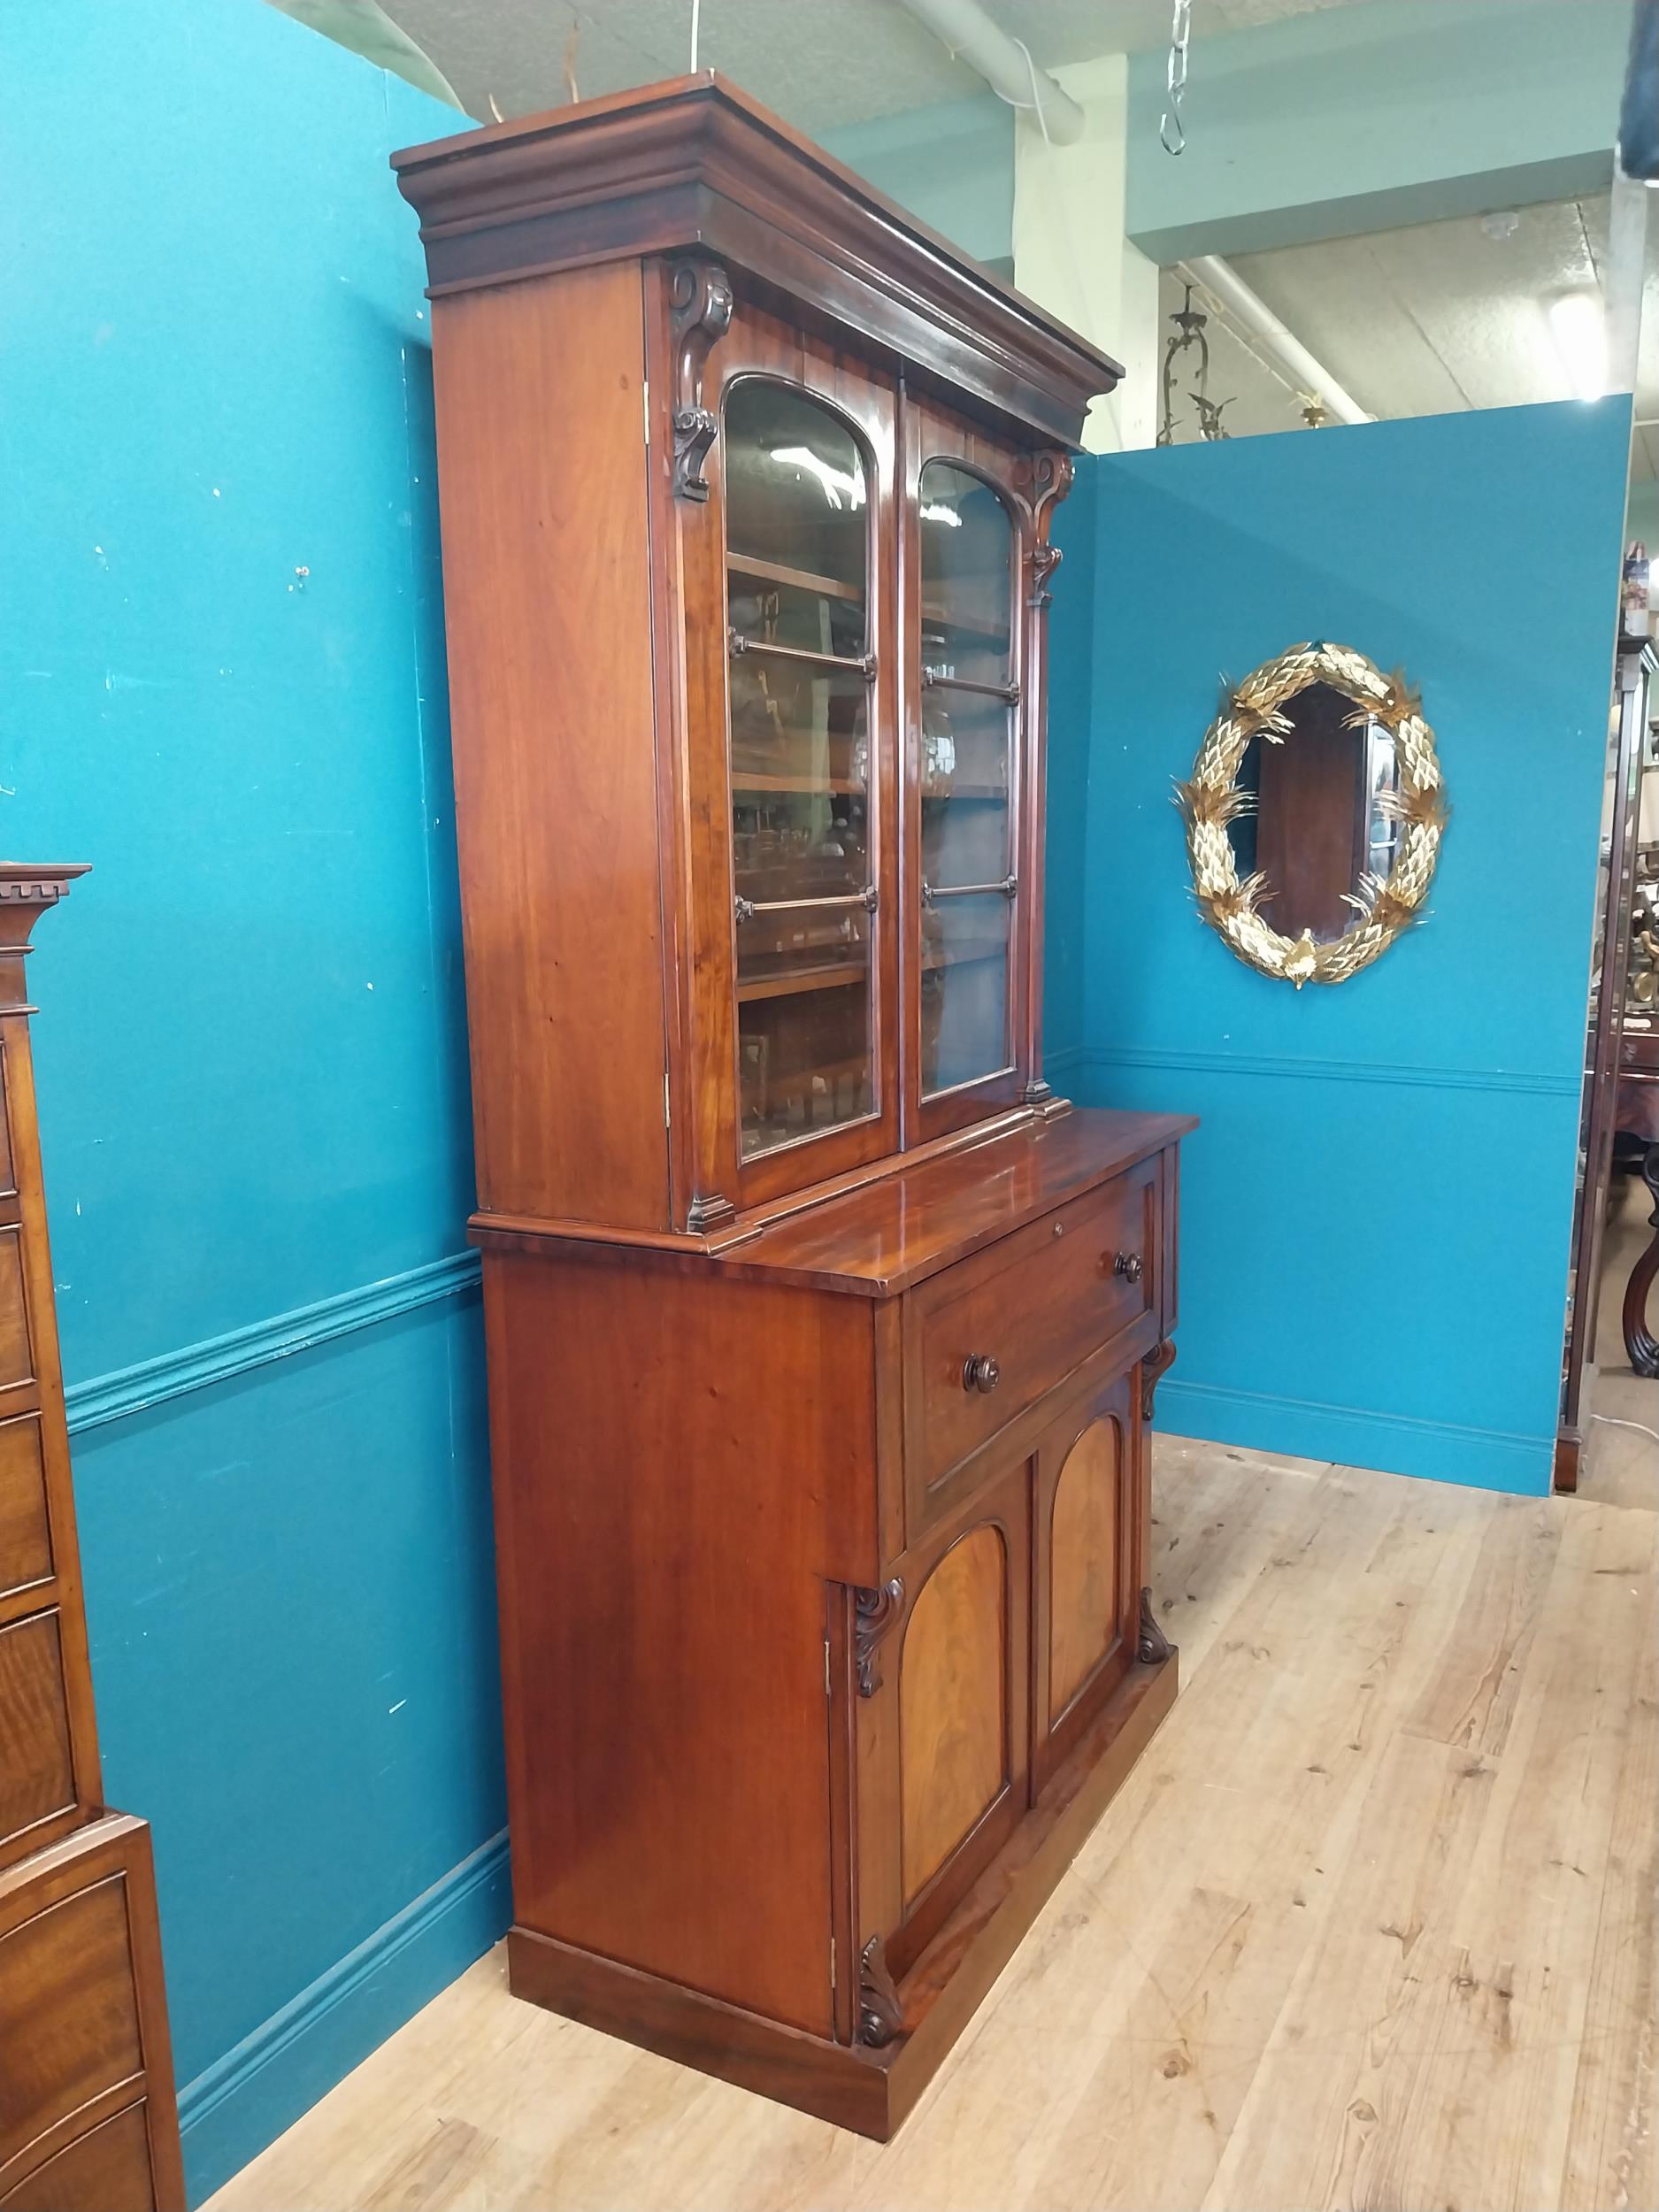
(645, 393)
(832, 1966)
(827, 1691)
(668, 1111)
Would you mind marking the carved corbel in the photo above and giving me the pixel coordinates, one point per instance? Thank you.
(880, 2014)
(700, 294)
(1045, 559)
(1043, 479)
(1153, 1367)
(874, 1612)
(1152, 1646)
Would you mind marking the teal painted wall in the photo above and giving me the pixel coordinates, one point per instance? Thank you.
(1375, 1214)
(1353, 120)
(250, 1044)
(952, 165)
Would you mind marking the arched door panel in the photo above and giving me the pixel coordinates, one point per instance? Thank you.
(1085, 1592)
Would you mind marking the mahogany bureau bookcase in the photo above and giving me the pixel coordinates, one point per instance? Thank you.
(821, 1336)
(87, 2121)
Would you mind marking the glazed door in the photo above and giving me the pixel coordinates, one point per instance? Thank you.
(940, 1712)
(974, 560)
(1085, 1577)
(802, 507)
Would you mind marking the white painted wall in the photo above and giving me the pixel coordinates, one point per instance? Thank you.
(1070, 253)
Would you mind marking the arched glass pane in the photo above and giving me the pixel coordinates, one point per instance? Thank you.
(967, 740)
(797, 527)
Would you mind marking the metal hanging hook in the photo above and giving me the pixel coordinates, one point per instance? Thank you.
(1171, 129)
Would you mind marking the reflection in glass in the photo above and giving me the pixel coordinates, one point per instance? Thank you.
(797, 570)
(965, 987)
(967, 748)
(1318, 823)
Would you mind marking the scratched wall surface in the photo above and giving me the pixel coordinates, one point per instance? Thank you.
(221, 683)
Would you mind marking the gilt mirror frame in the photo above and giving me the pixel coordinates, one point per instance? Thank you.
(1213, 796)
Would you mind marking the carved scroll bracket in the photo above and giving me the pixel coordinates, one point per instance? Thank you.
(874, 1612)
(880, 2014)
(700, 293)
(1044, 560)
(1153, 1367)
(1152, 1646)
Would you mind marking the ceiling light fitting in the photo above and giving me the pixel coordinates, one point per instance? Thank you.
(1577, 325)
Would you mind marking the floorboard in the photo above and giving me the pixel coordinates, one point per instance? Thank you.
(1370, 1926)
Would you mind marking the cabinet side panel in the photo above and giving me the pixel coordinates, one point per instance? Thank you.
(540, 415)
(668, 1454)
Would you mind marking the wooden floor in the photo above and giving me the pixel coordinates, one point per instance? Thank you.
(1370, 1926)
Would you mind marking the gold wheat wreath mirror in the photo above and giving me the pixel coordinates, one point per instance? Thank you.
(1316, 796)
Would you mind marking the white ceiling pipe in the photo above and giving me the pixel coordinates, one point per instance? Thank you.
(1228, 288)
(973, 36)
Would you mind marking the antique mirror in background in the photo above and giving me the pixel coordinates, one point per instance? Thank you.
(1314, 814)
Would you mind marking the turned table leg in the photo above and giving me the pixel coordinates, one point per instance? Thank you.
(1639, 1342)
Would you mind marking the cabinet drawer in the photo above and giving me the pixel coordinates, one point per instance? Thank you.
(26, 1539)
(1035, 1307)
(37, 1779)
(83, 2039)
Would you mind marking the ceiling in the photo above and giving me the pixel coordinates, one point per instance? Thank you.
(1430, 319)
(819, 63)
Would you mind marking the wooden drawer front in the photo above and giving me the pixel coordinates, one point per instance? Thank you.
(17, 1363)
(8, 1173)
(26, 1538)
(36, 1770)
(105, 2171)
(87, 2118)
(1038, 1304)
(68, 2013)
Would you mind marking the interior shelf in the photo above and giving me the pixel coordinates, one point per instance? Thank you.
(935, 616)
(976, 949)
(798, 578)
(831, 786)
(833, 977)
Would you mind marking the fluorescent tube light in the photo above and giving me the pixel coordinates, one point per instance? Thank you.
(1578, 327)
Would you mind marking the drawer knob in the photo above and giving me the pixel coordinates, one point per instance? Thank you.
(1128, 1265)
(980, 1371)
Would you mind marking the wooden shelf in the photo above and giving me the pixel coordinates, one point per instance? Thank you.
(963, 956)
(796, 579)
(825, 787)
(934, 618)
(966, 791)
(833, 977)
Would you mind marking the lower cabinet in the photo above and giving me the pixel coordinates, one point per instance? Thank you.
(980, 1664)
(822, 1597)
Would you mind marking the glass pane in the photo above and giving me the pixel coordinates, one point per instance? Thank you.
(797, 559)
(964, 989)
(967, 740)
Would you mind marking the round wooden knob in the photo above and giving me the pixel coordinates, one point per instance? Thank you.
(980, 1371)
(1128, 1265)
